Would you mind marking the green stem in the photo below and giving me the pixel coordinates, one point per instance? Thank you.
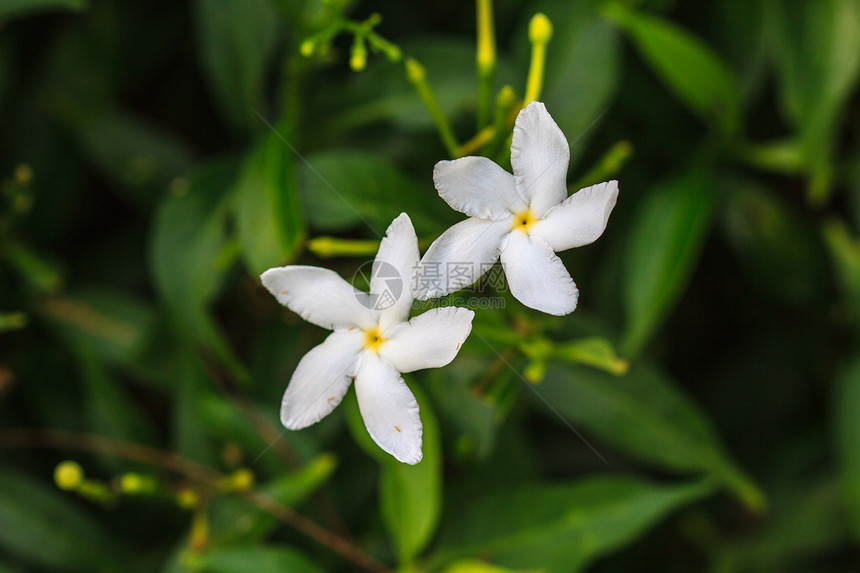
(485, 60)
(417, 76)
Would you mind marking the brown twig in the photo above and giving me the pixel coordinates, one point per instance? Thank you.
(64, 439)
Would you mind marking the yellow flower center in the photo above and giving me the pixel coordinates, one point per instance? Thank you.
(373, 339)
(523, 220)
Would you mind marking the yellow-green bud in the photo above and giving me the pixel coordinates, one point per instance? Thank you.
(242, 479)
(415, 72)
(23, 174)
(187, 498)
(540, 29)
(358, 60)
(507, 97)
(307, 48)
(68, 475)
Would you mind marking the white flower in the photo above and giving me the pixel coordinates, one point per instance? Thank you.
(523, 218)
(372, 342)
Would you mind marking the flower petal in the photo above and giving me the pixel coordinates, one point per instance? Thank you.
(460, 256)
(537, 276)
(321, 379)
(393, 270)
(580, 219)
(389, 409)
(429, 340)
(539, 157)
(477, 187)
(320, 296)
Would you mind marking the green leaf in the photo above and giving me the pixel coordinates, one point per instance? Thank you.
(664, 244)
(190, 254)
(410, 496)
(272, 559)
(268, 214)
(565, 527)
(342, 189)
(18, 8)
(189, 435)
(593, 351)
(645, 415)
(846, 405)
(780, 249)
(690, 69)
(112, 324)
(233, 520)
(109, 409)
(47, 529)
(237, 41)
(474, 566)
(817, 48)
(807, 522)
(138, 157)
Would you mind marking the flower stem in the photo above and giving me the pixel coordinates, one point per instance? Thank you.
(540, 32)
(485, 59)
(417, 76)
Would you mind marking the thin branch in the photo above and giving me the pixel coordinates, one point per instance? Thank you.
(67, 440)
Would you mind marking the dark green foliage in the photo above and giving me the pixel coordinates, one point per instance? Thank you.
(700, 411)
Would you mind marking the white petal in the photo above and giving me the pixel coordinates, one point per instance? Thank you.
(536, 276)
(389, 409)
(460, 256)
(580, 219)
(321, 379)
(477, 187)
(429, 340)
(393, 270)
(539, 157)
(320, 296)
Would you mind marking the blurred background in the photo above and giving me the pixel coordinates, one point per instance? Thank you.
(700, 411)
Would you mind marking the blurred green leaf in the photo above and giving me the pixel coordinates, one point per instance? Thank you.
(42, 273)
(188, 247)
(189, 435)
(807, 520)
(18, 8)
(663, 246)
(269, 217)
(110, 323)
(593, 351)
(816, 46)
(135, 155)
(690, 68)
(647, 416)
(341, 189)
(472, 418)
(110, 411)
(236, 41)
(781, 251)
(565, 527)
(846, 404)
(410, 497)
(233, 520)
(783, 156)
(47, 529)
(474, 566)
(271, 559)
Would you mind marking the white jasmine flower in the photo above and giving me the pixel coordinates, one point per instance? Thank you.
(372, 342)
(522, 218)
